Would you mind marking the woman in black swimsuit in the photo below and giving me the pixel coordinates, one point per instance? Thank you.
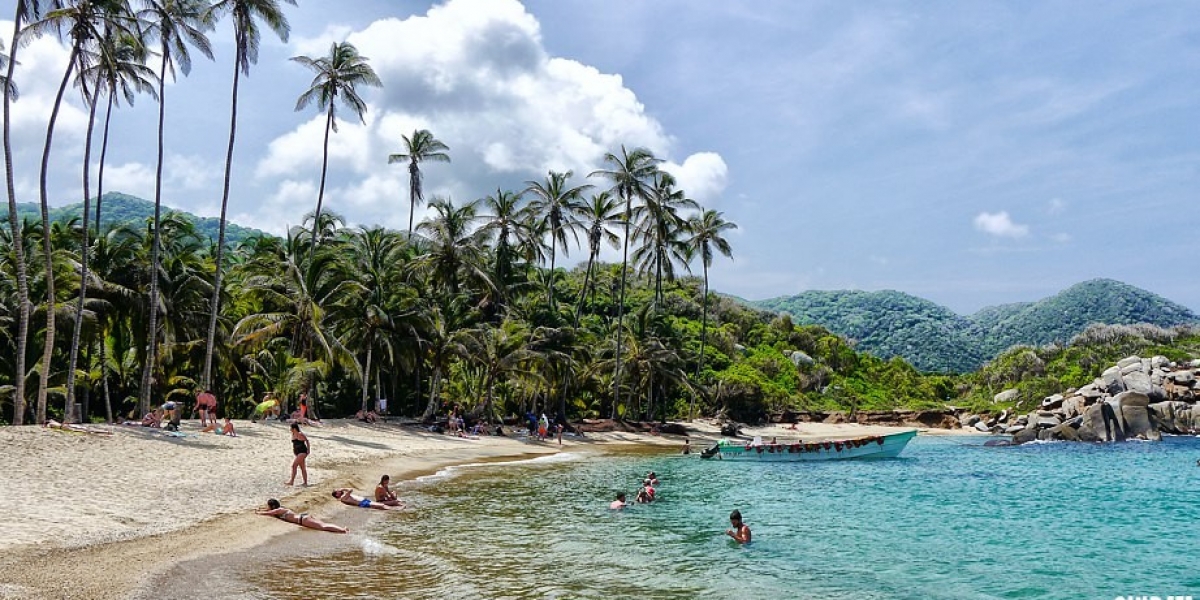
(300, 448)
(301, 519)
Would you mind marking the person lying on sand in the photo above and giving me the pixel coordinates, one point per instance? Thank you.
(346, 495)
(301, 519)
(52, 424)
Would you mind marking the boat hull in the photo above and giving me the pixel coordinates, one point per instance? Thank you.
(867, 447)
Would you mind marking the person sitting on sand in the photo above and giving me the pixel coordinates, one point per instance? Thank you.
(619, 503)
(384, 494)
(367, 417)
(738, 530)
(301, 519)
(347, 497)
(153, 418)
(227, 429)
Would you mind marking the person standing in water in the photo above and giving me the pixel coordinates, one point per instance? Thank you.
(739, 531)
(300, 448)
(619, 503)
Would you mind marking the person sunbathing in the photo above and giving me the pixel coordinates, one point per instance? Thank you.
(228, 428)
(347, 497)
(302, 519)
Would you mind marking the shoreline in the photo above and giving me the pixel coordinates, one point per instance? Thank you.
(96, 548)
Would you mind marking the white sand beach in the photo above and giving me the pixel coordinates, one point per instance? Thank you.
(95, 516)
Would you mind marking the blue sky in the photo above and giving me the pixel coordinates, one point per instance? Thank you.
(970, 153)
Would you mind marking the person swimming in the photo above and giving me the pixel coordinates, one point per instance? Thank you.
(619, 503)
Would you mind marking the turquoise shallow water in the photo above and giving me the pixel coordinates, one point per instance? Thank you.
(950, 519)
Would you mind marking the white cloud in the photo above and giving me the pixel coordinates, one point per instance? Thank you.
(134, 178)
(476, 74)
(1000, 225)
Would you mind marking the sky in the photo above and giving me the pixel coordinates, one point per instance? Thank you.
(972, 154)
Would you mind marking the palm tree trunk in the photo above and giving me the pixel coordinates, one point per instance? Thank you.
(321, 191)
(104, 379)
(621, 305)
(703, 338)
(215, 304)
(18, 240)
(414, 174)
(432, 407)
(76, 334)
(587, 278)
(47, 249)
(103, 159)
(152, 330)
(366, 384)
(553, 251)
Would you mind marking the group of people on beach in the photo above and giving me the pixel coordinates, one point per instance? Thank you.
(385, 499)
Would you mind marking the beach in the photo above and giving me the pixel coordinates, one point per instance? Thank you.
(103, 516)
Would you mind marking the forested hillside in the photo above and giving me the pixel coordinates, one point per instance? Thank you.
(936, 339)
(123, 209)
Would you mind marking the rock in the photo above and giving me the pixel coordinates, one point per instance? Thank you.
(731, 430)
(1158, 362)
(1129, 360)
(1006, 396)
(1100, 424)
(1135, 415)
(1182, 376)
(1052, 402)
(1194, 363)
(968, 420)
(1013, 429)
(1137, 382)
(1025, 435)
(1171, 417)
(1074, 406)
(1090, 391)
(1003, 418)
(1047, 420)
(1110, 381)
(1062, 432)
(981, 426)
(1134, 368)
(799, 358)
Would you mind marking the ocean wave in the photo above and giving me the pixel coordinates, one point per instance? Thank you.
(451, 471)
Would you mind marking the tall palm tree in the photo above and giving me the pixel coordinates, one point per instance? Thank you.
(707, 231)
(246, 14)
(421, 147)
(84, 22)
(660, 227)
(337, 76)
(555, 204)
(26, 11)
(456, 247)
(629, 174)
(176, 24)
(123, 74)
(597, 215)
(506, 226)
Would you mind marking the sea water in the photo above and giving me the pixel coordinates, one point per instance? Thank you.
(949, 519)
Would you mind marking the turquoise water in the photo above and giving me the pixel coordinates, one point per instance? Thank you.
(949, 519)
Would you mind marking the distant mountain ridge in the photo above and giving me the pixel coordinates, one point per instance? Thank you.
(934, 338)
(123, 209)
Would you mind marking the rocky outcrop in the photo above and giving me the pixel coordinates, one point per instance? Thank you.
(1138, 398)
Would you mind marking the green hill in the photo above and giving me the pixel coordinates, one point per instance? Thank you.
(122, 209)
(933, 338)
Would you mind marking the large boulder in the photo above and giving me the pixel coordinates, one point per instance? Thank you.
(1006, 396)
(1052, 402)
(1029, 434)
(1159, 362)
(1090, 391)
(799, 358)
(1128, 361)
(1073, 406)
(1062, 432)
(1171, 417)
(1135, 416)
(1100, 424)
(968, 420)
(983, 427)
(1110, 381)
(1047, 419)
(1137, 382)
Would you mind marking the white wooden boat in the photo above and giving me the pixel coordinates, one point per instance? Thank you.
(875, 446)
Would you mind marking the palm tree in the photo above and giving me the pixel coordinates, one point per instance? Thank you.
(176, 24)
(456, 247)
(629, 174)
(707, 232)
(246, 14)
(506, 227)
(337, 76)
(421, 147)
(596, 216)
(84, 21)
(498, 351)
(660, 225)
(555, 205)
(26, 11)
(123, 74)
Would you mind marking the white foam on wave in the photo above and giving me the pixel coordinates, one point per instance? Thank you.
(374, 547)
(451, 471)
